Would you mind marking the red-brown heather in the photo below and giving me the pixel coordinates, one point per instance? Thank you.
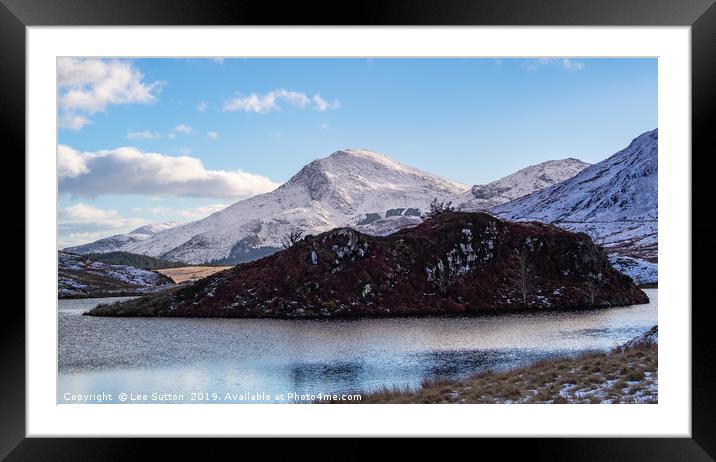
(455, 263)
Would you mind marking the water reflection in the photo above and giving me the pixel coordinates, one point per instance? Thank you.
(277, 356)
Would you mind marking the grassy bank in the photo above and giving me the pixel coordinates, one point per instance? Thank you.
(625, 375)
(190, 273)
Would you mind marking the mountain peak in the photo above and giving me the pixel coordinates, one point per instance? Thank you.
(361, 156)
(359, 152)
(354, 171)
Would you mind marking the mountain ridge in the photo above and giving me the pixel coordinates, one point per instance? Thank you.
(520, 183)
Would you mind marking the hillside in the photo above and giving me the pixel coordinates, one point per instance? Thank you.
(81, 277)
(133, 259)
(614, 201)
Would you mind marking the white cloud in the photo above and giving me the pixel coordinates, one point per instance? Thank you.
(565, 63)
(82, 223)
(202, 106)
(324, 126)
(572, 65)
(90, 85)
(323, 105)
(184, 129)
(270, 101)
(82, 214)
(70, 163)
(72, 121)
(128, 170)
(143, 135)
(212, 135)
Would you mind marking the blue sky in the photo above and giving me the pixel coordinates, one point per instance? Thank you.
(469, 120)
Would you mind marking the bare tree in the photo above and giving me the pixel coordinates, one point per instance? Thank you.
(439, 207)
(524, 270)
(593, 281)
(291, 238)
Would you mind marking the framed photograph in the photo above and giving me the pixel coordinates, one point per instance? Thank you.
(423, 220)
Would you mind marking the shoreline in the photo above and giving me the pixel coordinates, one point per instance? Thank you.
(624, 375)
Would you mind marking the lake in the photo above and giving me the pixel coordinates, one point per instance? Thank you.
(181, 360)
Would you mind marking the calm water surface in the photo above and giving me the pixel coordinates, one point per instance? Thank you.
(248, 356)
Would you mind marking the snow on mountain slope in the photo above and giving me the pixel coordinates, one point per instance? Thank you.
(614, 201)
(348, 188)
(482, 197)
(118, 241)
(519, 184)
(155, 228)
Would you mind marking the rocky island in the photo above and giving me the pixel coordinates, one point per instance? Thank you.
(455, 263)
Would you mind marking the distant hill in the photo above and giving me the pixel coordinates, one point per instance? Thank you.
(116, 242)
(81, 277)
(518, 184)
(133, 259)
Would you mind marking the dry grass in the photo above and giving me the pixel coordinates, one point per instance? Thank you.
(620, 376)
(190, 273)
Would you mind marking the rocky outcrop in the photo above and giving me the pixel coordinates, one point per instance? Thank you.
(454, 263)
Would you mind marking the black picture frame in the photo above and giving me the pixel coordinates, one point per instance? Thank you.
(700, 15)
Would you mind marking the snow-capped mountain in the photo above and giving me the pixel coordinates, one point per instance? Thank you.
(519, 184)
(352, 187)
(118, 241)
(614, 201)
